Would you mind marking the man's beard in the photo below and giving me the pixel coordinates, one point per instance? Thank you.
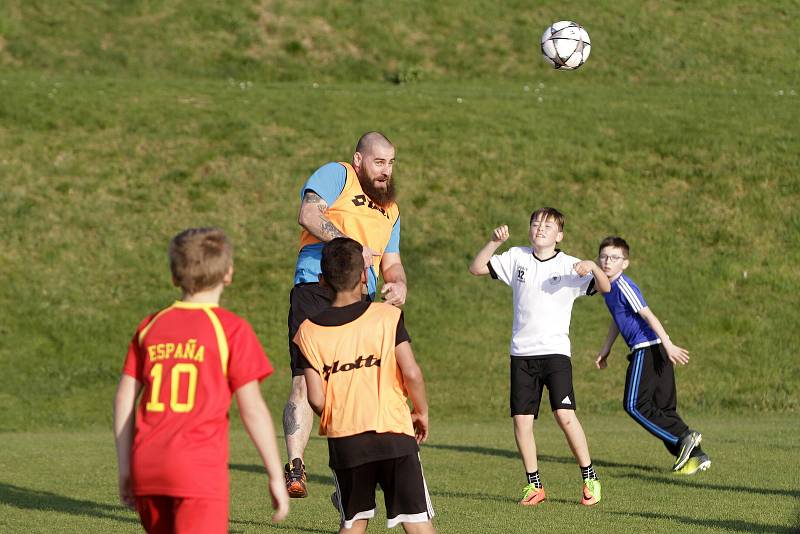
(381, 197)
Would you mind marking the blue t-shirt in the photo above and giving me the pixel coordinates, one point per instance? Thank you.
(328, 182)
(625, 301)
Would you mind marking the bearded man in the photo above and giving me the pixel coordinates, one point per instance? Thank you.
(354, 200)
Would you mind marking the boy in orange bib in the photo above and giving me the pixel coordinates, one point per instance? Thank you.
(358, 365)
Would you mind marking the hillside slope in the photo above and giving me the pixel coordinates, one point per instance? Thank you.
(102, 162)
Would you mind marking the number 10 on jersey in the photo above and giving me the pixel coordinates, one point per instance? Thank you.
(175, 375)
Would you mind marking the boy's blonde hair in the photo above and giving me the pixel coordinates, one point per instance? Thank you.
(548, 214)
(199, 258)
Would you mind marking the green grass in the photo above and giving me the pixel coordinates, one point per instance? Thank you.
(99, 176)
(689, 151)
(473, 473)
(122, 123)
(398, 41)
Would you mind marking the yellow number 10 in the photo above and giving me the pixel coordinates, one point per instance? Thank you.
(154, 405)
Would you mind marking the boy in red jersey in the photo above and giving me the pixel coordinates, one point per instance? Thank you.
(188, 360)
(359, 367)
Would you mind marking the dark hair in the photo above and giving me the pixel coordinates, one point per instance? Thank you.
(616, 242)
(342, 263)
(547, 214)
(199, 258)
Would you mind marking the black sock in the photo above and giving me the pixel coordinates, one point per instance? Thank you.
(533, 478)
(588, 472)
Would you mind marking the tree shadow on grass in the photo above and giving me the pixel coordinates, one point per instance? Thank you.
(639, 467)
(474, 496)
(678, 480)
(268, 525)
(508, 453)
(259, 469)
(248, 468)
(45, 501)
(510, 499)
(733, 525)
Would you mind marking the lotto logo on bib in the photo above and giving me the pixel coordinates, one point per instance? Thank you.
(554, 278)
(360, 200)
(327, 370)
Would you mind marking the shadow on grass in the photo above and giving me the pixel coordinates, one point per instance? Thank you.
(511, 499)
(45, 501)
(272, 526)
(734, 525)
(678, 480)
(259, 469)
(473, 496)
(507, 453)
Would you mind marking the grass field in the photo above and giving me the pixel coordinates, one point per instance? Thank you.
(473, 473)
(122, 123)
(98, 178)
(695, 162)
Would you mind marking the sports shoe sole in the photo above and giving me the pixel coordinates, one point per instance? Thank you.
(297, 491)
(535, 499)
(589, 499)
(702, 467)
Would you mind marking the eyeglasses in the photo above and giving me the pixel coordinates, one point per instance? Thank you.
(612, 259)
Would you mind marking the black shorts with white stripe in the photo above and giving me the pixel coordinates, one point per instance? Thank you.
(405, 492)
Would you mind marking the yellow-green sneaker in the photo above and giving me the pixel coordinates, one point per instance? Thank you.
(592, 492)
(695, 464)
(691, 440)
(531, 495)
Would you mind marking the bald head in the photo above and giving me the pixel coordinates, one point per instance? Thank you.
(372, 140)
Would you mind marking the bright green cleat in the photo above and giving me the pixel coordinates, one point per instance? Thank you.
(695, 464)
(531, 495)
(592, 492)
(688, 443)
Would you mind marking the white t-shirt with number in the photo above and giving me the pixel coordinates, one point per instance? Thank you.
(543, 295)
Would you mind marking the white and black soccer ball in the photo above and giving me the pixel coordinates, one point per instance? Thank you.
(566, 45)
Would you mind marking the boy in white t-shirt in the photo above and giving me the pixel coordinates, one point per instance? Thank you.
(545, 283)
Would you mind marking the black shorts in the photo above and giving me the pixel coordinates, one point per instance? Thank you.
(305, 300)
(529, 376)
(405, 493)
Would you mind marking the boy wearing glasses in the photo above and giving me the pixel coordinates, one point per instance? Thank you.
(650, 397)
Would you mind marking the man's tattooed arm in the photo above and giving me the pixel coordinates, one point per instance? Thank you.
(330, 230)
(312, 218)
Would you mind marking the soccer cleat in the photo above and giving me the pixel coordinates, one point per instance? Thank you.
(695, 464)
(688, 443)
(295, 478)
(592, 493)
(531, 495)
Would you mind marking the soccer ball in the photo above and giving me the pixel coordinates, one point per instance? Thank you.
(566, 45)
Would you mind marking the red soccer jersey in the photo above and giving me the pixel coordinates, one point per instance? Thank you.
(190, 359)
